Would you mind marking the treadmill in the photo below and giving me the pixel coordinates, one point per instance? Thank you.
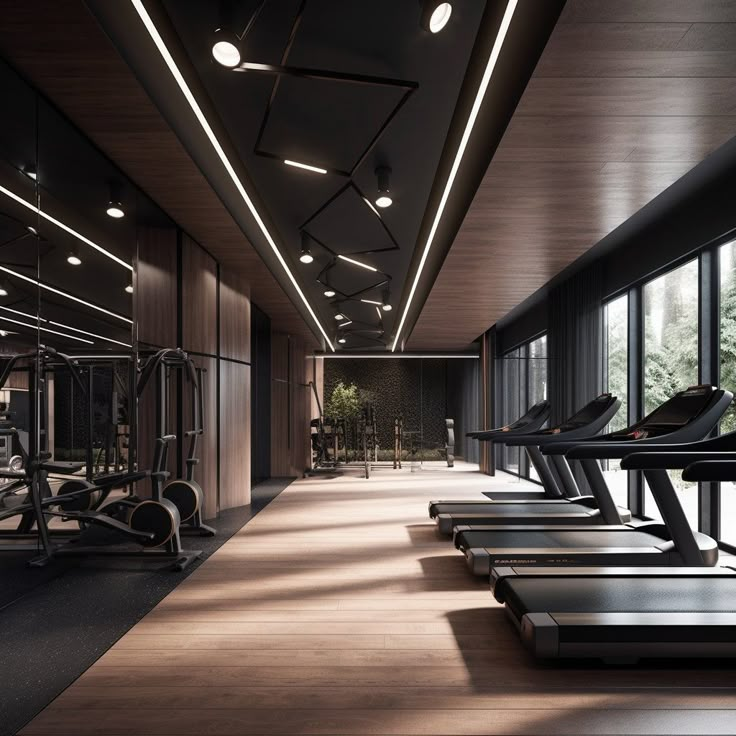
(619, 617)
(686, 417)
(557, 506)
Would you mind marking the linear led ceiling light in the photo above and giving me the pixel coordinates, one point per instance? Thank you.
(370, 204)
(66, 327)
(207, 128)
(66, 295)
(345, 324)
(307, 167)
(45, 329)
(490, 66)
(64, 227)
(357, 263)
(370, 301)
(402, 356)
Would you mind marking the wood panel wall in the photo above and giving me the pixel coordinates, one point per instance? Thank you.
(156, 286)
(234, 434)
(177, 303)
(291, 400)
(198, 298)
(234, 317)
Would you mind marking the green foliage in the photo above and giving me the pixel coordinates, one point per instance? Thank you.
(728, 339)
(344, 402)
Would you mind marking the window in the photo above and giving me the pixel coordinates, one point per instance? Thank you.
(727, 263)
(616, 316)
(671, 357)
(524, 383)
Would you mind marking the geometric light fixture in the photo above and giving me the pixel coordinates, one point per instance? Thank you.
(472, 117)
(191, 100)
(305, 256)
(435, 15)
(383, 199)
(356, 263)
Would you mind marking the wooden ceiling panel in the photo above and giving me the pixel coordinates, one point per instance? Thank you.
(627, 97)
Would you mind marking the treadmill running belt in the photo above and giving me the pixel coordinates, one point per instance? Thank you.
(592, 595)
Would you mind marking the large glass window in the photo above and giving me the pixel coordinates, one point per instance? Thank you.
(671, 357)
(524, 383)
(727, 258)
(616, 315)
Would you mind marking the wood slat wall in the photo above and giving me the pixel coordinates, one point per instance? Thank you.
(199, 298)
(234, 317)
(155, 298)
(234, 434)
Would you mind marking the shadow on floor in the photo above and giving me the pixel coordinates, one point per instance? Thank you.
(57, 621)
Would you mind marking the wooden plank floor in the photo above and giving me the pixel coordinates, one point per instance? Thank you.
(338, 610)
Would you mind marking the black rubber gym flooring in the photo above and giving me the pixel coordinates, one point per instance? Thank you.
(56, 621)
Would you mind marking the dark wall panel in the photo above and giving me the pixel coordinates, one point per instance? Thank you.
(234, 317)
(155, 296)
(260, 340)
(235, 482)
(198, 299)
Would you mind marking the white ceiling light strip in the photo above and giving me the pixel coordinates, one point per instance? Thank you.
(490, 66)
(357, 263)
(194, 105)
(65, 294)
(308, 167)
(91, 334)
(45, 329)
(64, 227)
(66, 327)
(389, 356)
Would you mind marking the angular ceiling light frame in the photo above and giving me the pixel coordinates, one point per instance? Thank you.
(283, 70)
(472, 117)
(168, 59)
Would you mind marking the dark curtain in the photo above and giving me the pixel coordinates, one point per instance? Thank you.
(575, 343)
(464, 404)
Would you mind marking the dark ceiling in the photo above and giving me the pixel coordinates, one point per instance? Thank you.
(330, 124)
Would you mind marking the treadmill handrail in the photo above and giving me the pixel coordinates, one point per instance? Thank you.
(600, 448)
(670, 460)
(711, 470)
(585, 431)
(532, 421)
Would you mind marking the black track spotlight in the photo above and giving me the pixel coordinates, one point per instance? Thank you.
(386, 305)
(114, 205)
(342, 340)
(226, 48)
(305, 256)
(435, 15)
(383, 174)
(73, 258)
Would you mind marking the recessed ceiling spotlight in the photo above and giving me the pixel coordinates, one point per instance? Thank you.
(339, 316)
(129, 289)
(435, 15)
(357, 263)
(342, 340)
(329, 293)
(4, 333)
(305, 256)
(306, 167)
(3, 291)
(383, 199)
(226, 48)
(114, 205)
